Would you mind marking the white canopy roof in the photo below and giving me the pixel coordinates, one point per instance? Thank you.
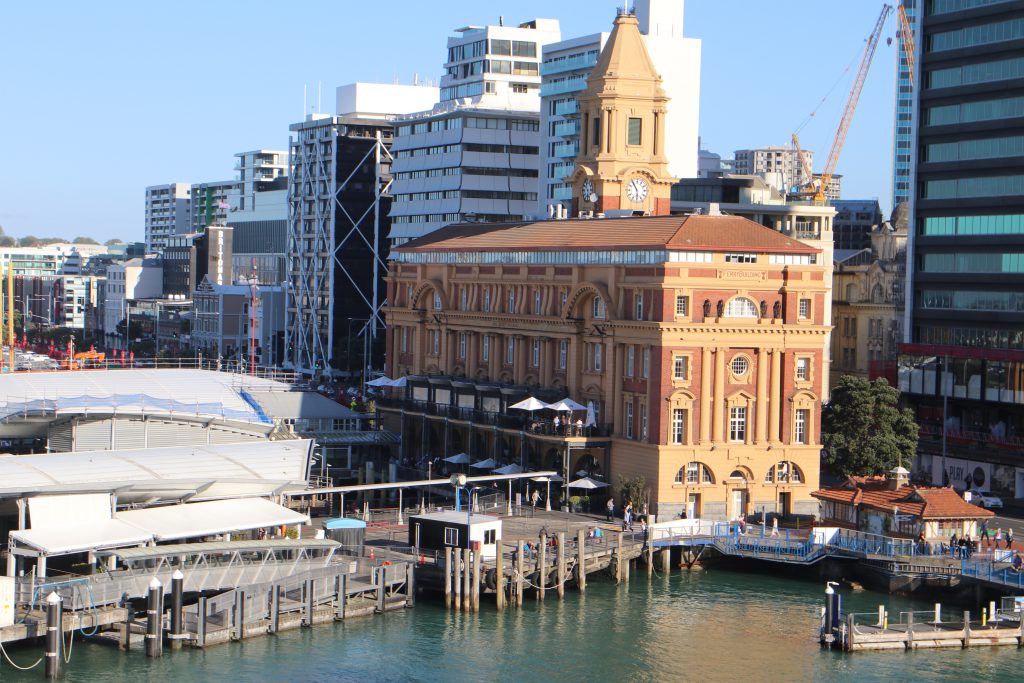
(566, 405)
(487, 464)
(135, 391)
(213, 471)
(457, 459)
(509, 469)
(530, 404)
(78, 538)
(191, 520)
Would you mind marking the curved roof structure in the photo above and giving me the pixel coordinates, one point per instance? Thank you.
(204, 393)
(151, 475)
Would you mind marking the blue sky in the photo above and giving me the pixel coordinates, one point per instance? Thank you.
(99, 100)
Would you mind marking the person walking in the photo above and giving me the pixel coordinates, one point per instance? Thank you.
(609, 509)
(999, 537)
(984, 533)
(1009, 538)
(535, 498)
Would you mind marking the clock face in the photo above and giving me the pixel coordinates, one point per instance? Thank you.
(636, 190)
(588, 190)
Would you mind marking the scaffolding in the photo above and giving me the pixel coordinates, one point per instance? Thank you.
(337, 198)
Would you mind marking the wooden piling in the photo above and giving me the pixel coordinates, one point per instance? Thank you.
(382, 583)
(478, 572)
(650, 557)
(239, 614)
(520, 569)
(581, 564)
(560, 555)
(310, 601)
(457, 579)
(618, 561)
(967, 628)
(410, 584)
(466, 575)
(449, 572)
(666, 560)
(342, 597)
(499, 579)
(542, 567)
(200, 625)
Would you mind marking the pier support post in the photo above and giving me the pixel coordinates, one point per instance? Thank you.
(520, 570)
(561, 565)
(177, 591)
(938, 613)
(666, 560)
(410, 584)
(542, 566)
(910, 630)
(881, 616)
(992, 614)
(54, 617)
(275, 608)
(125, 630)
(449, 572)
(310, 601)
(154, 609)
(967, 628)
(342, 597)
(457, 578)
(466, 576)
(618, 560)
(499, 579)
(478, 567)
(650, 556)
(201, 623)
(239, 614)
(581, 564)
(382, 587)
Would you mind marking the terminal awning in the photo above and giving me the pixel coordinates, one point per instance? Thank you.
(80, 538)
(193, 520)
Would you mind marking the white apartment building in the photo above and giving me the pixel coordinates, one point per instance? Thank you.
(476, 155)
(782, 161)
(209, 203)
(256, 172)
(134, 279)
(333, 215)
(51, 259)
(167, 213)
(564, 71)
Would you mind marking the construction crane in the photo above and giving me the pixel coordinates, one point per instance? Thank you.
(816, 188)
(805, 163)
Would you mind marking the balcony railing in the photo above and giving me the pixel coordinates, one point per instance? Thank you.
(567, 108)
(567, 151)
(574, 84)
(565, 129)
(585, 61)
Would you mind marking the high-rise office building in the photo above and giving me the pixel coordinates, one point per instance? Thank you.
(167, 213)
(209, 203)
(476, 155)
(338, 221)
(903, 130)
(962, 370)
(564, 71)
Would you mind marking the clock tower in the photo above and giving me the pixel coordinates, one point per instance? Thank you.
(621, 164)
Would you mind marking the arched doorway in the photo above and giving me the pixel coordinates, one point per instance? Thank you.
(739, 493)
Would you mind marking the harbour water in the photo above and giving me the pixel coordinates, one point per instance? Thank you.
(710, 626)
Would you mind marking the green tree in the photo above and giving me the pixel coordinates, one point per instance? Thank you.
(84, 240)
(864, 430)
(8, 241)
(28, 241)
(112, 242)
(634, 491)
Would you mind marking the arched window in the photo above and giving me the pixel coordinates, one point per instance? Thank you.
(738, 474)
(741, 308)
(694, 473)
(877, 296)
(437, 301)
(784, 472)
(851, 293)
(598, 308)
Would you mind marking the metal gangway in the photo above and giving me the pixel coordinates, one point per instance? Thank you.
(126, 573)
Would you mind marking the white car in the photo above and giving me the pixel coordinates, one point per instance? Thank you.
(985, 499)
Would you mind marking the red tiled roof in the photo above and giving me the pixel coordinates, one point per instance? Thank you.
(682, 233)
(924, 502)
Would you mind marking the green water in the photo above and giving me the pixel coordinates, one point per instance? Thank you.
(713, 626)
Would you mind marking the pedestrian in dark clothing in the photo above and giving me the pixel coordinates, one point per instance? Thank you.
(1009, 538)
(609, 509)
(952, 545)
(984, 533)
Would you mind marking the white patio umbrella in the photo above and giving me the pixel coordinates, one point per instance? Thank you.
(567, 405)
(381, 382)
(509, 469)
(531, 404)
(586, 483)
(400, 382)
(487, 464)
(554, 477)
(458, 459)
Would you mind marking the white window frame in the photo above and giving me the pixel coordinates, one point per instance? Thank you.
(487, 299)
(643, 421)
(511, 300)
(630, 360)
(803, 368)
(638, 304)
(682, 305)
(535, 354)
(678, 436)
(804, 309)
(738, 424)
(800, 420)
(598, 357)
(563, 354)
(598, 308)
(451, 536)
(627, 418)
(437, 301)
(436, 342)
(510, 350)
(645, 363)
(683, 361)
(462, 345)
(537, 302)
(485, 352)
